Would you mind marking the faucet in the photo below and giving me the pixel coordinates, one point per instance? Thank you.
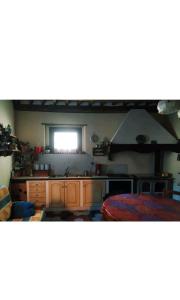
(67, 172)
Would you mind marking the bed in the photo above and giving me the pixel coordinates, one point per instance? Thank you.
(143, 207)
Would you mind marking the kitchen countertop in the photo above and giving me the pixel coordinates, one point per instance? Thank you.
(24, 178)
(57, 177)
(128, 176)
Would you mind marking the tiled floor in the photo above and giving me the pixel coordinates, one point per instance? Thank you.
(74, 216)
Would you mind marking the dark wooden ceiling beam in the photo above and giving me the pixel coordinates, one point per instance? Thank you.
(67, 103)
(125, 105)
(80, 109)
(116, 103)
(91, 103)
(137, 103)
(102, 103)
(79, 102)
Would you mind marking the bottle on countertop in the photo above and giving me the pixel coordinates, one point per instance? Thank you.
(98, 169)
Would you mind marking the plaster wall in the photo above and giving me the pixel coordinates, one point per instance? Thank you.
(6, 117)
(29, 128)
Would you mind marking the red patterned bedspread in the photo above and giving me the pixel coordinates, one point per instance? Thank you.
(131, 207)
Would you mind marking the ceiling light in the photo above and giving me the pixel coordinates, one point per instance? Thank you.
(167, 107)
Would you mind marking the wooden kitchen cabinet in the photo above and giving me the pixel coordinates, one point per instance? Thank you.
(76, 194)
(93, 193)
(154, 186)
(64, 194)
(36, 192)
(72, 194)
(56, 193)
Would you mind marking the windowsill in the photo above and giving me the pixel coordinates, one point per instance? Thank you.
(66, 153)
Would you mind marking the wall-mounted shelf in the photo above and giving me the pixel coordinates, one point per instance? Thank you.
(102, 151)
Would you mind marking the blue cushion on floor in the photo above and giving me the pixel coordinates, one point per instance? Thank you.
(22, 209)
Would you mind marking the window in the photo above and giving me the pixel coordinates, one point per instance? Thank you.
(66, 139)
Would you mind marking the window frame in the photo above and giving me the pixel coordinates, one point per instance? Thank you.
(77, 129)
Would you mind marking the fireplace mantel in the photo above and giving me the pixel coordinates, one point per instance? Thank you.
(143, 148)
(157, 149)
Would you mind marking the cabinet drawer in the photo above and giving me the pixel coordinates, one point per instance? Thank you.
(37, 195)
(39, 189)
(37, 184)
(38, 199)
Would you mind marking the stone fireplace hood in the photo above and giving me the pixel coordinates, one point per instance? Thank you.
(140, 122)
(158, 139)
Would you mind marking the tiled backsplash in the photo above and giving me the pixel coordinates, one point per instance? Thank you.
(132, 163)
(77, 163)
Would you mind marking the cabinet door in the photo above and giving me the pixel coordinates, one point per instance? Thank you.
(72, 194)
(56, 193)
(93, 193)
(160, 187)
(145, 186)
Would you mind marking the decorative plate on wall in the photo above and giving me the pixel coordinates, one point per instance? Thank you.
(141, 139)
(94, 138)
